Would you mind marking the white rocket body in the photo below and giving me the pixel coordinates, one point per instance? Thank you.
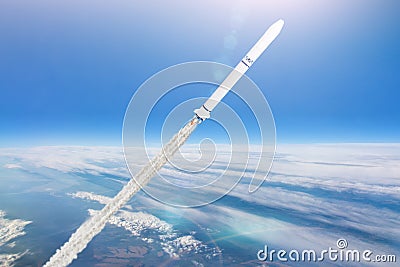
(268, 37)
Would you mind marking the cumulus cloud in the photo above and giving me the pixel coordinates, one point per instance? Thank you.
(137, 222)
(172, 243)
(182, 245)
(91, 196)
(10, 230)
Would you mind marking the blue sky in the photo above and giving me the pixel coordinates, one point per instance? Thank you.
(69, 68)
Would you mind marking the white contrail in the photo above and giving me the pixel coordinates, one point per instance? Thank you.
(89, 229)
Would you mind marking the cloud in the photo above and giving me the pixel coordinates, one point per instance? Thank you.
(10, 230)
(172, 243)
(314, 193)
(91, 196)
(364, 163)
(137, 222)
(12, 166)
(70, 159)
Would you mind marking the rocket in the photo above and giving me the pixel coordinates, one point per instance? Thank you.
(89, 229)
(262, 44)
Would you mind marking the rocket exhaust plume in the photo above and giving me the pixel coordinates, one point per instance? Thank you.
(89, 229)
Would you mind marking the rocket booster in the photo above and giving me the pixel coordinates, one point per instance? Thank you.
(268, 37)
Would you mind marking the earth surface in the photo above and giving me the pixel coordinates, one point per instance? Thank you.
(314, 195)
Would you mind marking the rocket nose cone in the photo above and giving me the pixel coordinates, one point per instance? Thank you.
(277, 26)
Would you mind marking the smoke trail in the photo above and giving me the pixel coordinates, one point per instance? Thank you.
(89, 229)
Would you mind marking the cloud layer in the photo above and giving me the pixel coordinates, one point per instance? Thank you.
(10, 230)
(314, 194)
